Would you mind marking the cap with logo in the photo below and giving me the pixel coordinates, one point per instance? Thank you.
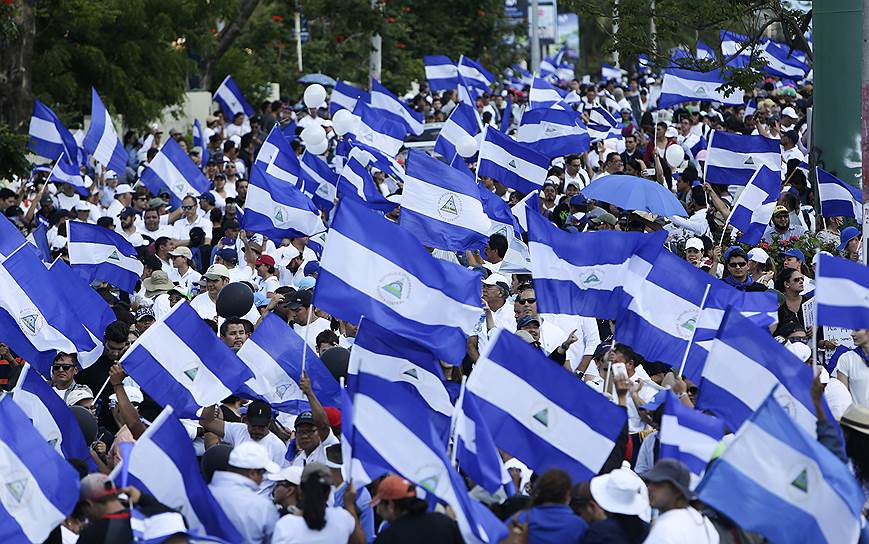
(305, 418)
(524, 321)
(267, 260)
(780, 209)
(228, 254)
(258, 413)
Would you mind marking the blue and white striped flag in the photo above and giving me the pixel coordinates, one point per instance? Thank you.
(345, 97)
(174, 171)
(377, 130)
(391, 107)
(273, 354)
(744, 365)
(440, 72)
(688, 435)
(97, 253)
(610, 72)
(524, 75)
(644, 67)
(753, 209)
(602, 125)
(102, 141)
(231, 100)
(474, 74)
(385, 413)
(583, 275)
(704, 51)
(393, 358)
(554, 132)
(781, 61)
(463, 122)
(163, 464)
(40, 487)
(750, 107)
(842, 293)
(200, 142)
(731, 46)
(511, 163)
(356, 182)
(776, 479)
(64, 171)
(839, 198)
(51, 416)
(39, 238)
(373, 267)
(179, 361)
(48, 136)
(441, 206)
(319, 181)
(686, 86)
(538, 413)
(475, 449)
(162, 526)
(277, 158)
(507, 118)
(733, 158)
(278, 209)
(547, 69)
(544, 94)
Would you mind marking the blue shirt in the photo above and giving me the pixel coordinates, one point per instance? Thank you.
(553, 524)
(363, 507)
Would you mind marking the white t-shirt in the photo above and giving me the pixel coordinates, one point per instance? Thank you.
(682, 525)
(857, 371)
(204, 306)
(67, 202)
(162, 230)
(268, 285)
(181, 229)
(188, 280)
(318, 455)
(236, 433)
(293, 529)
(316, 327)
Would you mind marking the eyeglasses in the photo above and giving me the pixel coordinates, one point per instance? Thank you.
(186, 207)
(526, 300)
(305, 431)
(739, 264)
(62, 367)
(801, 278)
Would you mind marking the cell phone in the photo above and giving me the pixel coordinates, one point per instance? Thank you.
(620, 372)
(649, 172)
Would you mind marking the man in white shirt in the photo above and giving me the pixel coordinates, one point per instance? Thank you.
(670, 493)
(299, 304)
(128, 228)
(152, 226)
(205, 304)
(498, 313)
(266, 279)
(189, 220)
(313, 433)
(183, 275)
(574, 171)
(67, 197)
(853, 371)
(228, 257)
(123, 199)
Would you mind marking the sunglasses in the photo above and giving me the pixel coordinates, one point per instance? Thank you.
(62, 367)
(737, 265)
(186, 207)
(526, 300)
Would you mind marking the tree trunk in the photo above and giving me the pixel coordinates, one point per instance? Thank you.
(225, 39)
(17, 35)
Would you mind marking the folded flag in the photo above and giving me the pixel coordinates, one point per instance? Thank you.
(64, 171)
(688, 435)
(440, 72)
(539, 413)
(319, 181)
(813, 495)
(97, 253)
(179, 361)
(356, 182)
(524, 75)
(474, 74)
(172, 170)
(475, 450)
(733, 158)
(839, 198)
(753, 209)
(278, 209)
(373, 267)
(378, 131)
(462, 123)
(231, 100)
(163, 464)
(391, 107)
(602, 125)
(842, 293)
(49, 137)
(345, 97)
(277, 158)
(41, 488)
(514, 164)
(686, 86)
(200, 142)
(273, 354)
(379, 352)
(441, 206)
(468, 94)
(554, 132)
(544, 95)
(101, 140)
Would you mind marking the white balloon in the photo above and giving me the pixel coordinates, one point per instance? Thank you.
(315, 95)
(466, 146)
(674, 155)
(343, 122)
(313, 134)
(318, 148)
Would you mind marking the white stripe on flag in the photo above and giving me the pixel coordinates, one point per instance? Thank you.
(171, 176)
(689, 441)
(527, 170)
(840, 292)
(428, 199)
(546, 264)
(259, 200)
(44, 129)
(36, 515)
(440, 71)
(91, 253)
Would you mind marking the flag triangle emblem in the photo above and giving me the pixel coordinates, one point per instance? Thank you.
(801, 482)
(394, 288)
(542, 417)
(113, 256)
(16, 488)
(592, 278)
(192, 372)
(279, 216)
(281, 390)
(689, 324)
(411, 372)
(430, 484)
(749, 161)
(52, 442)
(29, 321)
(450, 206)
(512, 163)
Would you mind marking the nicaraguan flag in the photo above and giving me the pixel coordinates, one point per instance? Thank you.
(686, 86)
(345, 97)
(753, 209)
(511, 163)
(475, 450)
(371, 156)
(524, 75)
(391, 107)
(506, 119)
(174, 171)
(688, 435)
(643, 65)
(373, 267)
(517, 260)
(842, 293)
(781, 61)
(49, 137)
(539, 413)
(474, 73)
(377, 130)
(356, 182)
(582, 275)
(602, 125)
(277, 158)
(200, 142)
(385, 413)
(101, 140)
(179, 361)
(40, 487)
(733, 158)
(547, 68)
(441, 206)
(744, 365)
(163, 464)
(278, 209)
(51, 417)
(64, 171)
(38, 237)
(463, 122)
(273, 354)
(97, 253)
(468, 94)
(775, 466)
(544, 94)
(610, 72)
(704, 51)
(231, 101)
(839, 198)
(554, 132)
(440, 72)
(731, 46)
(319, 181)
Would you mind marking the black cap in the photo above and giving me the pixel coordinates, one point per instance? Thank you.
(673, 471)
(299, 299)
(305, 418)
(259, 413)
(127, 212)
(526, 320)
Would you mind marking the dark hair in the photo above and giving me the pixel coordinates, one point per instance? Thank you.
(555, 171)
(315, 492)
(627, 351)
(117, 331)
(571, 157)
(783, 276)
(499, 244)
(698, 196)
(326, 337)
(857, 448)
(160, 242)
(552, 487)
(410, 506)
(230, 321)
(106, 222)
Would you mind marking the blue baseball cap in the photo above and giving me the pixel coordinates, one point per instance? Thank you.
(228, 254)
(794, 252)
(847, 234)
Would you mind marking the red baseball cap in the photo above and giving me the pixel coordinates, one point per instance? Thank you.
(265, 259)
(333, 415)
(392, 488)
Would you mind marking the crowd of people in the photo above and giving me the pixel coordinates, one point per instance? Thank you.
(278, 477)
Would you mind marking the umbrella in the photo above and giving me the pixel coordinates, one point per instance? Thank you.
(633, 193)
(322, 79)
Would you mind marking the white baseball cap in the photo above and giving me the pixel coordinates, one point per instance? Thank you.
(758, 255)
(110, 174)
(77, 395)
(134, 394)
(790, 112)
(495, 279)
(123, 189)
(288, 474)
(800, 350)
(252, 455)
(694, 243)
